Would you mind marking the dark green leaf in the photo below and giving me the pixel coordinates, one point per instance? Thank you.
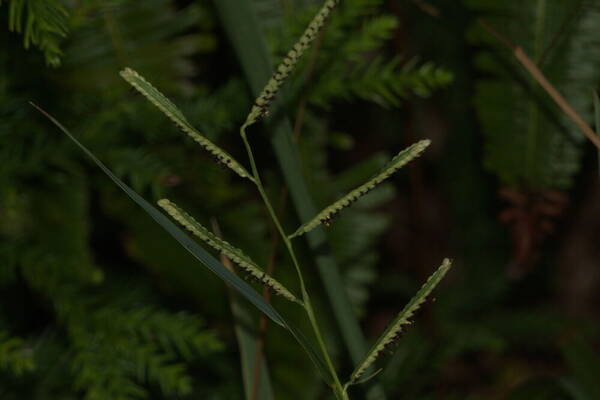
(190, 245)
(202, 255)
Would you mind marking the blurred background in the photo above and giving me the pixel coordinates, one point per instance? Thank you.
(98, 303)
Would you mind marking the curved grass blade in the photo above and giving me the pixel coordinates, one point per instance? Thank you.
(190, 245)
(170, 110)
(234, 254)
(203, 256)
(285, 68)
(391, 334)
(326, 215)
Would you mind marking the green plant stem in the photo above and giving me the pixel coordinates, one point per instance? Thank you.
(306, 302)
(243, 29)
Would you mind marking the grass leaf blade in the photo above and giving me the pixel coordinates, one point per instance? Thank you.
(190, 245)
(203, 256)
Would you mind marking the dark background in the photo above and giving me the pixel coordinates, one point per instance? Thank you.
(98, 303)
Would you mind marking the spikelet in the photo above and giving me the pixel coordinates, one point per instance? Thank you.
(171, 111)
(391, 335)
(286, 67)
(231, 252)
(401, 159)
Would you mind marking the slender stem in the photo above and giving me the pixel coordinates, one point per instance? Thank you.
(267, 202)
(541, 79)
(336, 386)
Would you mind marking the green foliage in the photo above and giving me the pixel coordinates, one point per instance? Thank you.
(321, 358)
(108, 343)
(43, 23)
(198, 252)
(117, 351)
(93, 326)
(529, 143)
(15, 356)
(385, 83)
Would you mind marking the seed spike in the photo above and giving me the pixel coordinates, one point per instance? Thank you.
(287, 65)
(225, 248)
(328, 213)
(391, 335)
(170, 110)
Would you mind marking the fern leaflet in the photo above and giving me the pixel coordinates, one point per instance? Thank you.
(15, 356)
(43, 23)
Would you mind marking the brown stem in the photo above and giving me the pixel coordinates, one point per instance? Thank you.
(541, 79)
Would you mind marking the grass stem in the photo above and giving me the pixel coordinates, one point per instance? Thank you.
(336, 385)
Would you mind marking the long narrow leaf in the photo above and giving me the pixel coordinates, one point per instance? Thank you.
(391, 334)
(190, 245)
(400, 160)
(203, 256)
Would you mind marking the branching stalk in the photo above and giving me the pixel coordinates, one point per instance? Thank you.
(336, 385)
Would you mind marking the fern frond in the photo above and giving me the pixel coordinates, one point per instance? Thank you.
(391, 334)
(528, 145)
(401, 159)
(286, 67)
(117, 352)
(43, 23)
(234, 254)
(171, 111)
(381, 81)
(346, 65)
(14, 356)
